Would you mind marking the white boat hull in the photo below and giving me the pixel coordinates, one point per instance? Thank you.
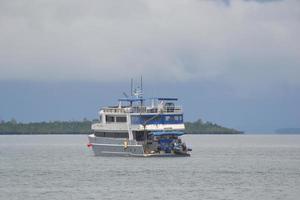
(118, 147)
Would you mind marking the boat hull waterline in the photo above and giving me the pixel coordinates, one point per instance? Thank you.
(120, 150)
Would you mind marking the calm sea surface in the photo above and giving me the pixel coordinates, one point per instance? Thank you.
(221, 167)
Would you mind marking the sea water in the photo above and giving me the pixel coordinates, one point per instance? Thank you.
(221, 167)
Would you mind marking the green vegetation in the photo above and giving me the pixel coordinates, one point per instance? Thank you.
(200, 127)
(84, 127)
(55, 127)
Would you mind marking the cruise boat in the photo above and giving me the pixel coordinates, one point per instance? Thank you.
(139, 127)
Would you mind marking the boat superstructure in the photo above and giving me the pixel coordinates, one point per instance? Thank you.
(140, 127)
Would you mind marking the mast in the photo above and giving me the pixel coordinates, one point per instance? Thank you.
(141, 93)
(131, 88)
(142, 84)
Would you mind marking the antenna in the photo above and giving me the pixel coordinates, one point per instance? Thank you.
(124, 93)
(137, 92)
(141, 83)
(131, 92)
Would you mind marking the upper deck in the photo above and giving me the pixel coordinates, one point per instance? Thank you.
(136, 114)
(158, 106)
(143, 109)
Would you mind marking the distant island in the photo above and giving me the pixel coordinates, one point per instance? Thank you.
(84, 127)
(288, 131)
(200, 127)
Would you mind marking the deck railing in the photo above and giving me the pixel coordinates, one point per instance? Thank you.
(114, 110)
(143, 109)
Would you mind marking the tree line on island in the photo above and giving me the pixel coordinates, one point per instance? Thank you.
(84, 127)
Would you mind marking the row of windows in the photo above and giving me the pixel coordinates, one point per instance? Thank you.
(173, 118)
(111, 135)
(112, 119)
(139, 136)
(148, 119)
(156, 119)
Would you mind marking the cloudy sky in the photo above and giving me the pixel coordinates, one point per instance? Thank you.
(236, 61)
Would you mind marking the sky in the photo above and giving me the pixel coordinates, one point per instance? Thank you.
(232, 62)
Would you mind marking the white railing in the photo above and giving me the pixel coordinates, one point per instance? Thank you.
(110, 126)
(114, 110)
(143, 109)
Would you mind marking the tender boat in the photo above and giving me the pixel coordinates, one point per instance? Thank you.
(135, 128)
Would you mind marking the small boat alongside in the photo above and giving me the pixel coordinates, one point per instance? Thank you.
(139, 127)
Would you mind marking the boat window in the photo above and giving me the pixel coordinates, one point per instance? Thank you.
(121, 119)
(139, 136)
(135, 119)
(111, 135)
(157, 119)
(100, 134)
(180, 118)
(151, 119)
(116, 135)
(109, 119)
(167, 118)
(170, 106)
(173, 119)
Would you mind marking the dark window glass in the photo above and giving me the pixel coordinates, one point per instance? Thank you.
(139, 136)
(121, 119)
(116, 135)
(110, 119)
(111, 135)
(100, 134)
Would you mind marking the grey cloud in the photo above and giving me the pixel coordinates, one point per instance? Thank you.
(168, 40)
(264, 1)
(228, 2)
